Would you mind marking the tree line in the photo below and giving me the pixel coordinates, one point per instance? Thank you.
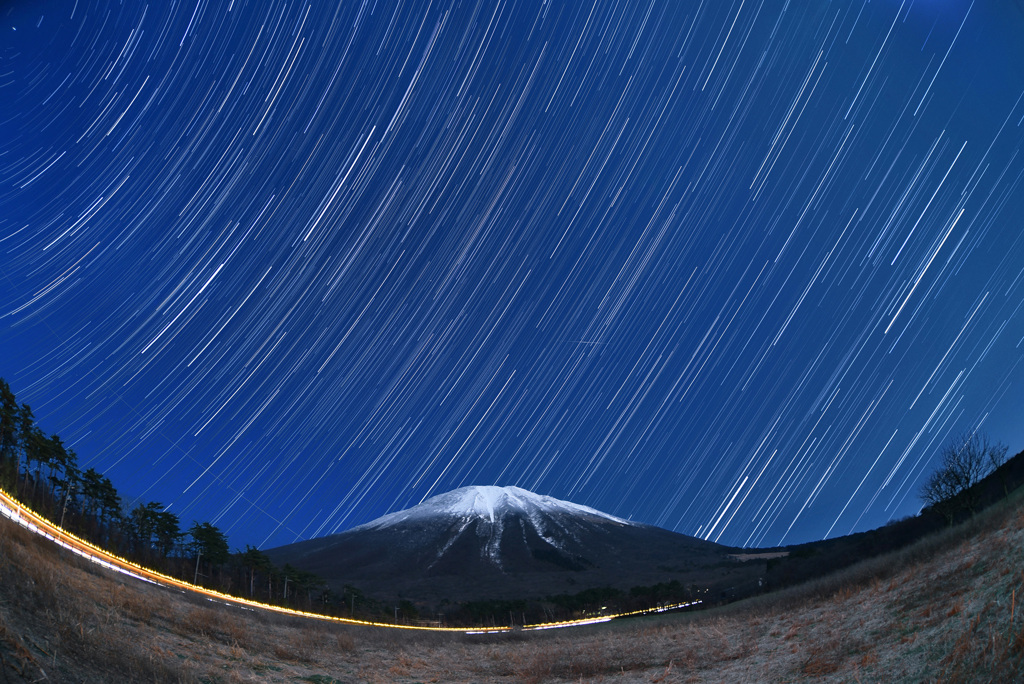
(40, 471)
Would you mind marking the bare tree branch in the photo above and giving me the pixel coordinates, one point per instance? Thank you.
(965, 460)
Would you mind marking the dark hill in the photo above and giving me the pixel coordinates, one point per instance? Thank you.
(814, 559)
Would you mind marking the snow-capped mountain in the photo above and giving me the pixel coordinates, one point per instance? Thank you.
(490, 503)
(500, 542)
(487, 510)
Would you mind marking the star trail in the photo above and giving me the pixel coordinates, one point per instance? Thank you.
(738, 269)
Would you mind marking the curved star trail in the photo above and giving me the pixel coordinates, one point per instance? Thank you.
(733, 268)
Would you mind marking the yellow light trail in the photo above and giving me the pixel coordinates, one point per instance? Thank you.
(35, 523)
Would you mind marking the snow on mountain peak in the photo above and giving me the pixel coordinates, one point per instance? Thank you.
(489, 503)
(478, 501)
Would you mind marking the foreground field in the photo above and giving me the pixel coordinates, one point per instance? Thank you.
(944, 609)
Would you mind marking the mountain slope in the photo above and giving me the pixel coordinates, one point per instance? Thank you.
(481, 543)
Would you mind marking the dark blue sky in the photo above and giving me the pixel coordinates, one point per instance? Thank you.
(735, 268)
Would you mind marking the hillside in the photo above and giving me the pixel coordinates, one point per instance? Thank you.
(813, 559)
(944, 608)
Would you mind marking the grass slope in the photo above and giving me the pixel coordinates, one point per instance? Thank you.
(944, 609)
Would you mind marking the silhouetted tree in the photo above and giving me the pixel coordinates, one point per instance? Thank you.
(302, 583)
(8, 436)
(64, 477)
(255, 561)
(312, 585)
(965, 460)
(140, 524)
(23, 431)
(34, 447)
(91, 483)
(110, 503)
(167, 530)
(209, 546)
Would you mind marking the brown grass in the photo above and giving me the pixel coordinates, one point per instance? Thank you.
(941, 610)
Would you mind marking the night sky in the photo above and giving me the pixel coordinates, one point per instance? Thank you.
(735, 268)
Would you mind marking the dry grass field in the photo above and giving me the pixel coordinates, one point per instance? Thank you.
(945, 609)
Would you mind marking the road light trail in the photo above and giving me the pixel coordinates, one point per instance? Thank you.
(35, 523)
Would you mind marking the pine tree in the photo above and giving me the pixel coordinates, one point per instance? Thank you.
(8, 437)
